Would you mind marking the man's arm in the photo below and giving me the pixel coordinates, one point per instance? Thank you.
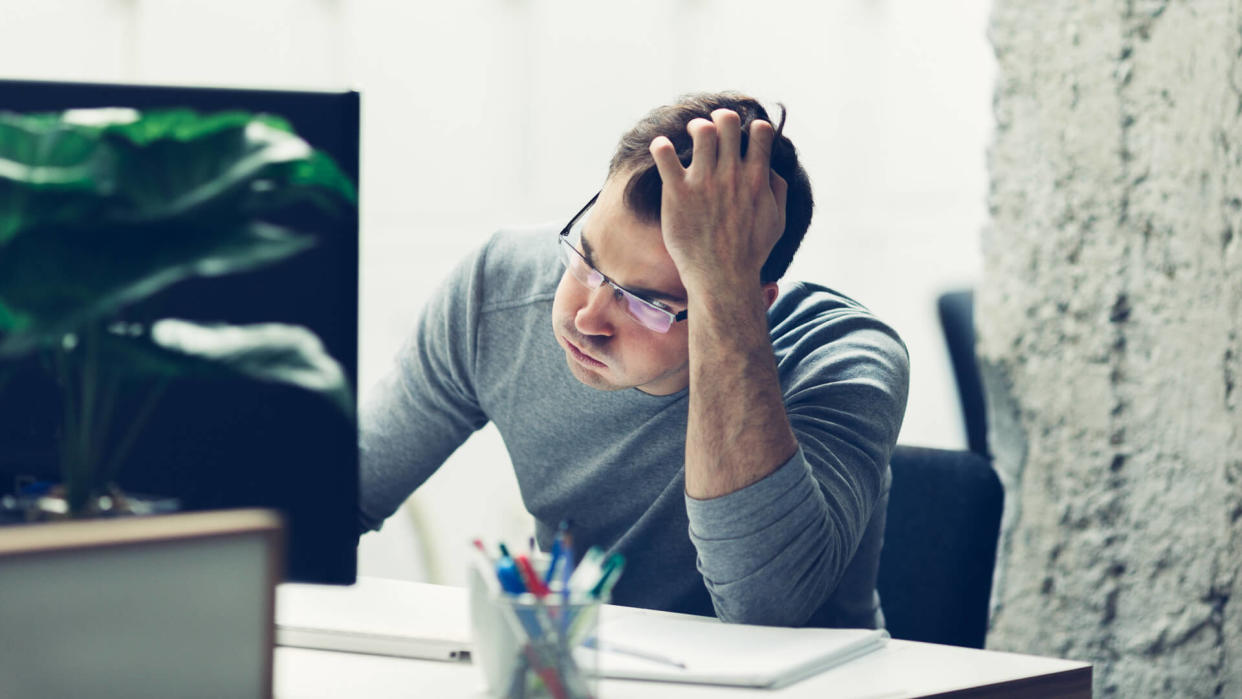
(775, 522)
(426, 405)
(720, 218)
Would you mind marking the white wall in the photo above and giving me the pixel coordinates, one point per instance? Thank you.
(480, 113)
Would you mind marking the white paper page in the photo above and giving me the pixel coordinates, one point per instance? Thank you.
(724, 653)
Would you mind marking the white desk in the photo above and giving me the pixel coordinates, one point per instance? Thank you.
(901, 669)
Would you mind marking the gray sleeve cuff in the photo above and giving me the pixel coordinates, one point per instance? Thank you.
(762, 550)
(750, 509)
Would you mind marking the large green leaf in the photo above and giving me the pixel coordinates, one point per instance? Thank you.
(98, 165)
(101, 208)
(63, 278)
(271, 352)
(50, 172)
(174, 162)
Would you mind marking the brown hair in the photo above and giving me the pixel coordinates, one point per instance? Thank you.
(643, 192)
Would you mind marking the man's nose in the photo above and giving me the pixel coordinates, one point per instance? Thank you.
(593, 317)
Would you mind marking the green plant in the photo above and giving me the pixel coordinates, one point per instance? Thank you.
(103, 208)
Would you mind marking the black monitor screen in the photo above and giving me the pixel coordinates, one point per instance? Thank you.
(222, 443)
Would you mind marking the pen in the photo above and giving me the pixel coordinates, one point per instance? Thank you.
(567, 567)
(619, 649)
(534, 584)
(478, 545)
(584, 576)
(508, 574)
(485, 568)
(536, 587)
(608, 578)
(558, 550)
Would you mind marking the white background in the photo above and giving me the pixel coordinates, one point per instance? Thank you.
(480, 113)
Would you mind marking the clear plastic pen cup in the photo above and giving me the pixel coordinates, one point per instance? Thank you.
(529, 648)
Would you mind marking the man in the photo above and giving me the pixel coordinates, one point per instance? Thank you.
(731, 441)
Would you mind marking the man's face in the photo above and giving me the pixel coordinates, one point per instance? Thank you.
(605, 347)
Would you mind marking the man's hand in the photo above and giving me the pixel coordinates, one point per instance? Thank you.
(722, 215)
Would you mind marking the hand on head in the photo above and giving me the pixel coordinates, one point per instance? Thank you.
(721, 215)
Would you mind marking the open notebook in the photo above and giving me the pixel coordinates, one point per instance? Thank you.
(705, 651)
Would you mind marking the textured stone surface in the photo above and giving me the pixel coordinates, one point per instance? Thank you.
(1110, 319)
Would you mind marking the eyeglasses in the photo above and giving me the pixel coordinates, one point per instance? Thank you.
(652, 315)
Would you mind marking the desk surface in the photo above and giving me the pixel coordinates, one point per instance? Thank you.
(901, 669)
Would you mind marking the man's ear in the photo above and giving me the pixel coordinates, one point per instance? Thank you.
(770, 291)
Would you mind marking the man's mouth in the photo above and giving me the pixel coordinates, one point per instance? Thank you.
(582, 357)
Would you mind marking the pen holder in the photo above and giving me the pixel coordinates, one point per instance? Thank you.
(528, 648)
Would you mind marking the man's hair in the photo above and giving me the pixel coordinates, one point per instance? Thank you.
(643, 192)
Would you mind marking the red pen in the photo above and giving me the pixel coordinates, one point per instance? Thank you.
(534, 584)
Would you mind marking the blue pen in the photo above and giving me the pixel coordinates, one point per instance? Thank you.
(567, 566)
(558, 551)
(507, 573)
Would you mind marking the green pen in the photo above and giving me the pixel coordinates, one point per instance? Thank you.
(608, 578)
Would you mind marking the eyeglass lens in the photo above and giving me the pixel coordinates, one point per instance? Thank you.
(647, 315)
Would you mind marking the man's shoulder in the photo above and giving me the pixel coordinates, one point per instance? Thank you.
(824, 339)
(801, 303)
(519, 265)
(807, 314)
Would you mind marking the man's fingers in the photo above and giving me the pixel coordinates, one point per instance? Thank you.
(759, 152)
(780, 189)
(780, 192)
(729, 133)
(703, 133)
(665, 156)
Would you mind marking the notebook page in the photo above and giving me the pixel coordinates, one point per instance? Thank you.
(719, 653)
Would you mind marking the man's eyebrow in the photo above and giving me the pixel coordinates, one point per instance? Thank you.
(649, 294)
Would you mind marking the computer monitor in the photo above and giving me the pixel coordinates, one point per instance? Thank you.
(231, 443)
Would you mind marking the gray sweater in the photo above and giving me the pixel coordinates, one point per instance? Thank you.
(801, 545)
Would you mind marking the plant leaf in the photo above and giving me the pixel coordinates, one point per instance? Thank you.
(62, 278)
(50, 172)
(103, 207)
(97, 165)
(272, 352)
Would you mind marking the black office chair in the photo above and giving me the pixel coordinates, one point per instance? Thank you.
(957, 320)
(935, 577)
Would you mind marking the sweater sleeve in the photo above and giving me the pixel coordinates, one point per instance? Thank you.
(773, 552)
(426, 405)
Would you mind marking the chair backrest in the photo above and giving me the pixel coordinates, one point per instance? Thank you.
(957, 320)
(935, 577)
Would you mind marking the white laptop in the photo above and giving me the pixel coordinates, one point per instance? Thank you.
(376, 616)
(162, 606)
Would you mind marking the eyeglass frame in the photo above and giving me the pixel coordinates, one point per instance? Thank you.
(563, 238)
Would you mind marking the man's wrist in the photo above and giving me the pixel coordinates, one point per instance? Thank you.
(717, 275)
(725, 297)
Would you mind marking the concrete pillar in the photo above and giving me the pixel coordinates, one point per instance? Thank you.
(1110, 338)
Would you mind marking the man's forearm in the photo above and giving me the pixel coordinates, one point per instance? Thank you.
(738, 431)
